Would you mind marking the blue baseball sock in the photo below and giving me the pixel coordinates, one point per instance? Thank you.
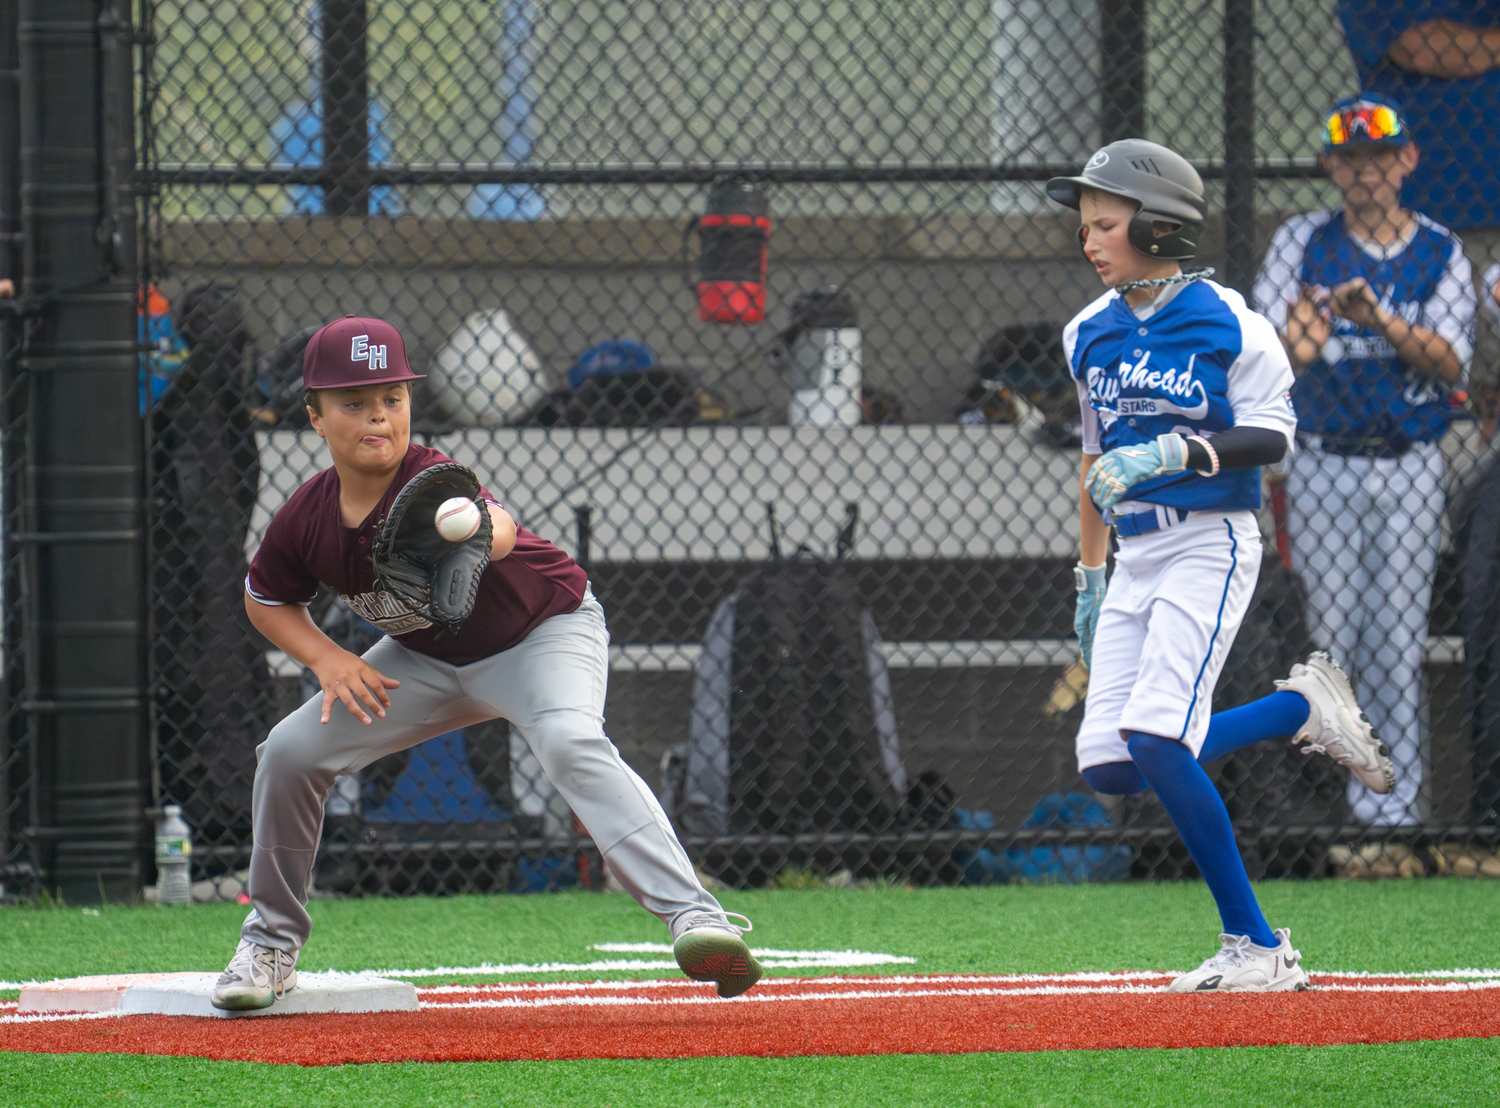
(1277, 716)
(1115, 779)
(1271, 717)
(1203, 822)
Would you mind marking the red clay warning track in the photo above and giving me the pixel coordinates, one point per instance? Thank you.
(797, 1016)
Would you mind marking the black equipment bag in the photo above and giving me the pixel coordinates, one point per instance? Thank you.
(793, 729)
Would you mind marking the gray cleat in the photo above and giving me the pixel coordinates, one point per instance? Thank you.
(710, 948)
(257, 977)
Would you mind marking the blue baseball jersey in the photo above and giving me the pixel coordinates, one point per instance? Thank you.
(1358, 388)
(1195, 361)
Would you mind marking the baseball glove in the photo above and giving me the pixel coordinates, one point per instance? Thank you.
(432, 577)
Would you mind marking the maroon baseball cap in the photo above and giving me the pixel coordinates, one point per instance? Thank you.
(355, 351)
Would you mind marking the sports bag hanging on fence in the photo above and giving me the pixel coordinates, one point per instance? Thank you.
(792, 728)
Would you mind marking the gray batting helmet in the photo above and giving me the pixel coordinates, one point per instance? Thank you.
(1162, 182)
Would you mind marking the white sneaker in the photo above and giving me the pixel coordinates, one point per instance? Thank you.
(709, 948)
(1242, 967)
(257, 977)
(1335, 726)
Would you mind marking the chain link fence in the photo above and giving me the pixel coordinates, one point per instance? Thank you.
(756, 310)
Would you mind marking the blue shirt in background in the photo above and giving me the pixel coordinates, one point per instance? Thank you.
(1454, 122)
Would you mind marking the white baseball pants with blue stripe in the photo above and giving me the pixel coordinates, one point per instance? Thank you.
(1175, 602)
(1365, 535)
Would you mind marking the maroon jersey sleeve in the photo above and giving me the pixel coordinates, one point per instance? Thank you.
(279, 573)
(307, 543)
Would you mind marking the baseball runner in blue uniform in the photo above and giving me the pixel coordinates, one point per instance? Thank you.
(1376, 306)
(1183, 392)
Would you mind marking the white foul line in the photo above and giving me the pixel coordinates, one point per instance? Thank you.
(770, 958)
(903, 994)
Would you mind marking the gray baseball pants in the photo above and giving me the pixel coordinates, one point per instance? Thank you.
(1365, 535)
(551, 688)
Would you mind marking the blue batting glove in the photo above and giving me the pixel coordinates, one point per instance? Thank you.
(1091, 587)
(1111, 477)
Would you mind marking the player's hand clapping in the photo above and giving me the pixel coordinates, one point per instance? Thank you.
(1308, 326)
(348, 677)
(1356, 301)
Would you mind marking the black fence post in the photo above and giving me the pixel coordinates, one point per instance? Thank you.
(583, 514)
(1122, 69)
(17, 791)
(1239, 144)
(346, 108)
(10, 141)
(83, 546)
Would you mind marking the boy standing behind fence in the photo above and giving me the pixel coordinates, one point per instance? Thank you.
(1375, 304)
(1183, 392)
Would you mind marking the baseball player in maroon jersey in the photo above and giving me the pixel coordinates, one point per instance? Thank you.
(534, 650)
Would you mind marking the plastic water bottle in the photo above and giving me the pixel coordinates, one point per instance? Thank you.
(174, 853)
(824, 368)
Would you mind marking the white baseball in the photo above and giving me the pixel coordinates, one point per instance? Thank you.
(457, 519)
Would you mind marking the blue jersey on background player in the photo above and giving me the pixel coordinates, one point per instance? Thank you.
(1358, 387)
(1183, 395)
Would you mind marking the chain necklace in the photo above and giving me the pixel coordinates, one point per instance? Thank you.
(1163, 282)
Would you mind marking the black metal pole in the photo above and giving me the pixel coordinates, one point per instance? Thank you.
(83, 554)
(346, 108)
(584, 517)
(10, 141)
(1122, 69)
(17, 787)
(207, 177)
(1239, 144)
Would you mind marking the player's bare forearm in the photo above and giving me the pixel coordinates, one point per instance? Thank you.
(1303, 345)
(1422, 348)
(1093, 532)
(291, 629)
(1301, 353)
(505, 532)
(1447, 49)
(343, 676)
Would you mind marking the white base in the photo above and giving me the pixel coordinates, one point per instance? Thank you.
(186, 994)
(100, 993)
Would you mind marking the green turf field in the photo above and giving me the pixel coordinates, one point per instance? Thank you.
(1462, 1073)
(1387, 926)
